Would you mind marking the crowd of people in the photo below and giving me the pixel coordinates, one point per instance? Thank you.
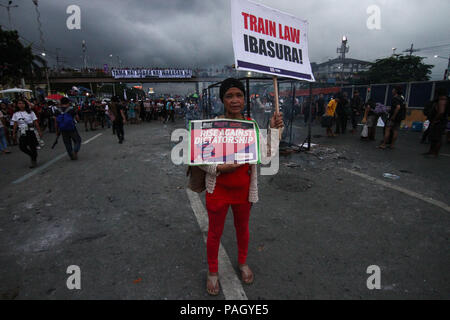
(23, 121)
(364, 117)
(341, 109)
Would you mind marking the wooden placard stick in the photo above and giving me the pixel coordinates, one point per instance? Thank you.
(277, 103)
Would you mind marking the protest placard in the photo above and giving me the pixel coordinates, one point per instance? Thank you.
(224, 141)
(269, 41)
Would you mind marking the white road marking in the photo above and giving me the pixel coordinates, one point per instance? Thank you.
(94, 137)
(49, 163)
(446, 155)
(413, 194)
(230, 284)
(39, 169)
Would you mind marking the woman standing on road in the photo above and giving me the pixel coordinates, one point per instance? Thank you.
(3, 143)
(132, 112)
(117, 115)
(329, 117)
(232, 185)
(438, 122)
(25, 123)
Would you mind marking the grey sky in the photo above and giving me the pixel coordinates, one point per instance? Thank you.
(193, 33)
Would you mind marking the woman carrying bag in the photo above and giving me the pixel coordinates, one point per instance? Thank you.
(232, 185)
(25, 124)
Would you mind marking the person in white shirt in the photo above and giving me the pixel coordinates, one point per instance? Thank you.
(107, 116)
(25, 124)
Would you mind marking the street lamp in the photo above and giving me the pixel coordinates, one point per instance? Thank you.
(46, 73)
(447, 72)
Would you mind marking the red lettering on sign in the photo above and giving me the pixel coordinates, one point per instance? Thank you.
(295, 35)
(245, 19)
(261, 26)
(253, 26)
(281, 31)
(273, 28)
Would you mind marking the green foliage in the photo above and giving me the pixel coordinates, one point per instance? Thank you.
(397, 68)
(15, 59)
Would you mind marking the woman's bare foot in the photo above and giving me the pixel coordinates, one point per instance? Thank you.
(246, 274)
(212, 284)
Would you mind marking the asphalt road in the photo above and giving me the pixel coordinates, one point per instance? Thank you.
(122, 214)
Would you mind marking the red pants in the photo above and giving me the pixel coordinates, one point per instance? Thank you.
(217, 212)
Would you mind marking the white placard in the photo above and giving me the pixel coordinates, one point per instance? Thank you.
(269, 41)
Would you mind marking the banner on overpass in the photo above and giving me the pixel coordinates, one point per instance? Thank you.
(151, 73)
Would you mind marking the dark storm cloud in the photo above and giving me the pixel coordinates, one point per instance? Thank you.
(191, 33)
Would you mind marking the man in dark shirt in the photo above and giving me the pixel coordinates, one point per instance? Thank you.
(321, 105)
(341, 115)
(117, 109)
(438, 117)
(355, 104)
(396, 116)
(88, 111)
(65, 126)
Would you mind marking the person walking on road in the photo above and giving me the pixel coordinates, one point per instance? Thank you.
(438, 122)
(232, 185)
(25, 123)
(88, 111)
(65, 126)
(119, 119)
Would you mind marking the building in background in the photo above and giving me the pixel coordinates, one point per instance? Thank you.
(338, 71)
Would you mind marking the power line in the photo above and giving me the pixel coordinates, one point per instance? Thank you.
(412, 50)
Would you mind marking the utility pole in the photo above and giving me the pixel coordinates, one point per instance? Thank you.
(411, 50)
(57, 58)
(8, 8)
(447, 71)
(83, 47)
(343, 50)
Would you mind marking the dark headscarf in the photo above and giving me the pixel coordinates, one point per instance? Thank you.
(228, 84)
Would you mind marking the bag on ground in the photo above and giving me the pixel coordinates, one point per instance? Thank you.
(365, 131)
